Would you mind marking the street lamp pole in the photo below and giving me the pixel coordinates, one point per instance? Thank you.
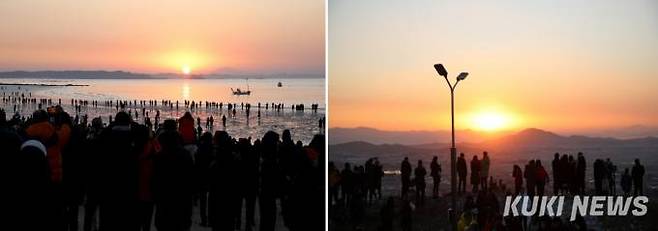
(453, 150)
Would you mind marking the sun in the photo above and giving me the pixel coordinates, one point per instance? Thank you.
(186, 69)
(490, 121)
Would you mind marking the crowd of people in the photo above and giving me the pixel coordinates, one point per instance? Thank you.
(130, 176)
(150, 112)
(480, 208)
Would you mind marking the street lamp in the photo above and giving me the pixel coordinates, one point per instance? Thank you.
(453, 151)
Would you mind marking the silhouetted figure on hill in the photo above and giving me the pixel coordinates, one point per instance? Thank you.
(529, 175)
(599, 172)
(557, 180)
(378, 174)
(419, 174)
(638, 176)
(405, 174)
(581, 168)
(518, 179)
(435, 172)
(476, 166)
(484, 171)
(173, 174)
(612, 174)
(346, 184)
(626, 182)
(541, 177)
(562, 176)
(461, 173)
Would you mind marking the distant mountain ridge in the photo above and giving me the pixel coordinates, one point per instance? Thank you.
(530, 135)
(103, 74)
(528, 139)
(375, 136)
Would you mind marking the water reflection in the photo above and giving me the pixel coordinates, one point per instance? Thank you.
(186, 90)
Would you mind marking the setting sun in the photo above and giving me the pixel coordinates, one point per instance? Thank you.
(490, 121)
(186, 69)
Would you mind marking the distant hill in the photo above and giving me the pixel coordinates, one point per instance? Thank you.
(375, 136)
(101, 74)
(531, 139)
(73, 75)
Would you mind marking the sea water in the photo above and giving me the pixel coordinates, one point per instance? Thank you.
(303, 125)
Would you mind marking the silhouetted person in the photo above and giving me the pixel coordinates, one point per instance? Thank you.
(248, 172)
(541, 177)
(612, 172)
(119, 200)
(203, 159)
(529, 174)
(557, 181)
(599, 172)
(581, 168)
(518, 179)
(475, 173)
(270, 179)
(626, 182)
(419, 174)
(347, 184)
(461, 173)
(146, 172)
(224, 121)
(435, 172)
(379, 173)
(29, 205)
(484, 170)
(173, 184)
(50, 129)
(638, 175)
(224, 195)
(405, 174)
(92, 172)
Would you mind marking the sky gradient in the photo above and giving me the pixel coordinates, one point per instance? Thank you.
(556, 65)
(162, 36)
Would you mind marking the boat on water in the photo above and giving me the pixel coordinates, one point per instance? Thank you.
(239, 91)
(279, 84)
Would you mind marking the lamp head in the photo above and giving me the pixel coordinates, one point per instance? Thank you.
(462, 76)
(441, 70)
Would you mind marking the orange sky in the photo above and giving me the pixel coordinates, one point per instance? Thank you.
(556, 65)
(162, 36)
